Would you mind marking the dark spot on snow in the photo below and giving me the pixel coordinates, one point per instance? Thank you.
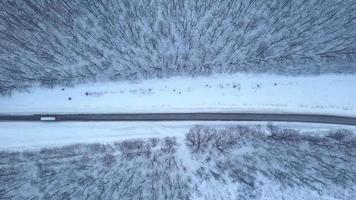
(174, 90)
(275, 84)
(206, 85)
(258, 85)
(149, 89)
(234, 86)
(87, 93)
(70, 98)
(180, 93)
(62, 89)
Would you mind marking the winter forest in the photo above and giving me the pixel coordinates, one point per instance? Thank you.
(51, 42)
(237, 162)
(108, 99)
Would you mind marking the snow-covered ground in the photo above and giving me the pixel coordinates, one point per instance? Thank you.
(327, 94)
(206, 162)
(25, 135)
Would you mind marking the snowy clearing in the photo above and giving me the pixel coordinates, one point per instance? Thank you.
(24, 135)
(327, 94)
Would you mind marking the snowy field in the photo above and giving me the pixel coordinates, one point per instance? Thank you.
(327, 94)
(24, 135)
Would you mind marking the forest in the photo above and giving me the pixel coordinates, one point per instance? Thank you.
(233, 162)
(51, 42)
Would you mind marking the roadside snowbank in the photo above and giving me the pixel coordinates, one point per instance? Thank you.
(34, 135)
(331, 94)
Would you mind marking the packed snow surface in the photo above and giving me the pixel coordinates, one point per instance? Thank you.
(34, 135)
(326, 94)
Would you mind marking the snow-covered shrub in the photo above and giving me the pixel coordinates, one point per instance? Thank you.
(104, 174)
(260, 161)
(236, 162)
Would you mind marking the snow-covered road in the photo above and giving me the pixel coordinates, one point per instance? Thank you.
(237, 117)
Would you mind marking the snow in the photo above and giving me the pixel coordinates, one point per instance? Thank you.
(325, 94)
(69, 166)
(29, 135)
(33, 135)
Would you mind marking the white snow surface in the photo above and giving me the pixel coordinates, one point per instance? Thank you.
(34, 135)
(325, 94)
(24, 136)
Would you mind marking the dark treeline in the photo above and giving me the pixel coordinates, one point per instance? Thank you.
(51, 42)
(135, 170)
(239, 162)
(319, 164)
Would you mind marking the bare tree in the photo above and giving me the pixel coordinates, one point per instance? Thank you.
(49, 42)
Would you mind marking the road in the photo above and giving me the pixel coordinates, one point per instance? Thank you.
(306, 118)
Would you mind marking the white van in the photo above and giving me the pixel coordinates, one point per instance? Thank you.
(48, 118)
